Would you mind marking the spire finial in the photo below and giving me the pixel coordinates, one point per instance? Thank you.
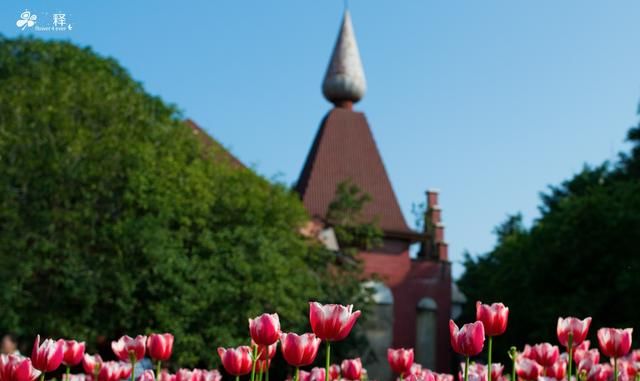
(344, 82)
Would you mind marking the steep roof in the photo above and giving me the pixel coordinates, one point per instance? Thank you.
(344, 149)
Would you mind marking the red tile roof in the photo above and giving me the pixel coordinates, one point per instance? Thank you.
(344, 149)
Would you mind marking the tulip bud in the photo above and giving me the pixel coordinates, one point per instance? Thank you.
(91, 364)
(493, 317)
(73, 352)
(528, 369)
(469, 340)
(130, 349)
(299, 350)
(400, 360)
(236, 361)
(160, 346)
(545, 354)
(47, 357)
(147, 375)
(573, 327)
(352, 369)
(265, 329)
(334, 372)
(332, 322)
(615, 343)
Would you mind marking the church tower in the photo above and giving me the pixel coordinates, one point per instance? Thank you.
(414, 298)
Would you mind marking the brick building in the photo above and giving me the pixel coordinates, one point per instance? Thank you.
(415, 297)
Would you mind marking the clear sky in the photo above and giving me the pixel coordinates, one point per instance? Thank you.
(489, 101)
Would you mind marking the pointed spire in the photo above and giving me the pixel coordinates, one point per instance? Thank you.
(344, 82)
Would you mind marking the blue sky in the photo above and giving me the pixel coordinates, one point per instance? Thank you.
(489, 101)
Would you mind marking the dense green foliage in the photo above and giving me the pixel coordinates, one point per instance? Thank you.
(580, 258)
(115, 218)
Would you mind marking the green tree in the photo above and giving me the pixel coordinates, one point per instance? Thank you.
(115, 218)
(579, 258)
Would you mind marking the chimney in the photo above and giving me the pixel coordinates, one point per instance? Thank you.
(442, 250)
(432, 198)
(436, 247)
(438, 235)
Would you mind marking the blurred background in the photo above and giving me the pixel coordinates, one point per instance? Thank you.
(162, 169)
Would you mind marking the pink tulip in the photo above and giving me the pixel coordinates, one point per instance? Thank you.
(600, 372)
(47, 357)
(627, 369)
(585, 365)
(334, 372)
(476, 372)
(160, 346)
(184, 375)
(557, 370)
(400, 360)
(208, 375)
(496, 371)
(304, 375)
(299, 350)
(109, 371)
(614, 342)
(130, 349)
(582, 354)
(468, 340)
(441, 377)
(581, 347)
(265, 329)
(575, 327)
(91, 364)
(332, 322)
(545, 354)
(494, 317)
(76, 377)
(351, 369)
(73, 352)
(236, 361)
(17, 368)
(166, 376)
(317, 374)
(124, 369)
(147, 375)
(528, 369)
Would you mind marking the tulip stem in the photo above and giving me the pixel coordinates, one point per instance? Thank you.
(42, 376)
(570, 350)
(159, 369)
(133, 368)
(266, 375)
(68, 372)
(297, 374)
(401, 378)
(615, 369)
(513, 354)
(328, 362)
(489, 358)
(255, 360)
(466, 369)
(237, 378)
